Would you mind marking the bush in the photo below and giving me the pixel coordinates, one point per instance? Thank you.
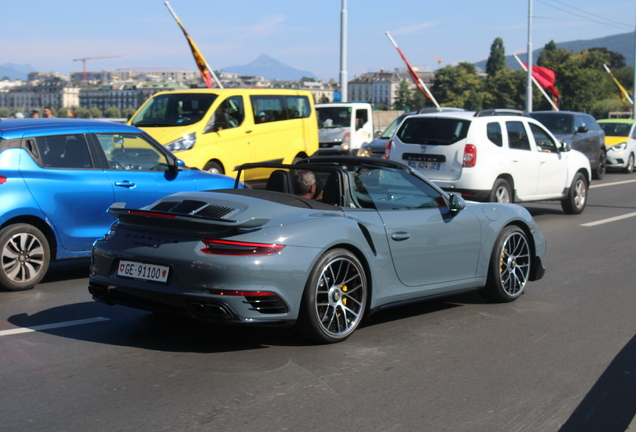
(113, 112)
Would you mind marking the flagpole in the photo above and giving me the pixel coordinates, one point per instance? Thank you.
(529, 77)
(536, 83)
(422, 87)
(174, 15)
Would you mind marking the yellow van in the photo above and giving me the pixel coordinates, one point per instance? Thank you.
(219, 129)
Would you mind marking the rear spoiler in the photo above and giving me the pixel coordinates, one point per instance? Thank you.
(129, 215)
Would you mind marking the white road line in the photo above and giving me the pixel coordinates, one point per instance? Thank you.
(594, 186)
(51, 326)
(608, 220)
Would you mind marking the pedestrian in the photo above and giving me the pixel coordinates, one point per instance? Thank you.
(48, 112)
(35, 114)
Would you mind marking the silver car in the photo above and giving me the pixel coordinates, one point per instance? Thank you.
(319, 245)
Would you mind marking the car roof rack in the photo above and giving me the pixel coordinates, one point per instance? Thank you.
(499, 111)
(436, 109)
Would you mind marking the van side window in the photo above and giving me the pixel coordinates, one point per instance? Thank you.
(298, 107)
(493, 131)
(268, 108)
(229, 114)
(517, 136)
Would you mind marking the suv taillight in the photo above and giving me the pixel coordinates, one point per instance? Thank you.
(470, 156)
(387, 150)
(2, 179)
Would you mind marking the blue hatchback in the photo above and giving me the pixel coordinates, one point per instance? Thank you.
(59, 176)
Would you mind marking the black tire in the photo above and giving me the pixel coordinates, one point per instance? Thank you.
(629, 168)
(509, 266)
(24, 257)
(335, 298)
(501, 192)
(213, 167)
(574, 202)
(601, 166)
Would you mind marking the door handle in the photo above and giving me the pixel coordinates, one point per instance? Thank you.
(400, 236)
(126, 184)
(248, 131)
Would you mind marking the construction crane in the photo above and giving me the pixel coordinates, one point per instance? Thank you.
(135, 69)
(439, 61)
(83, 60)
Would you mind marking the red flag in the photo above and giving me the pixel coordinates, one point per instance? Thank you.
(546, 79)
(416, 78)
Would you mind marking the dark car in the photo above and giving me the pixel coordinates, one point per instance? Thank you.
(581, 131)
(59, 176)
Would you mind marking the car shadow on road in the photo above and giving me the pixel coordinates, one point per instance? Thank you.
(423, 308)
(123, 326)
(610, 405)
(67, 270)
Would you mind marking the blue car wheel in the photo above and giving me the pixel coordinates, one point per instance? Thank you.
(24, 256)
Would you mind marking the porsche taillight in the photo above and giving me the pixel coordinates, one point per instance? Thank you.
(387, 150)
(2, 179)
(226, 247)
(470, 156)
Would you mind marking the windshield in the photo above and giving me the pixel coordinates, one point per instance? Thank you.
(332, 117)
(431, 130)
(616, 129)
(388, 132)
(556, 123)
(174, 109)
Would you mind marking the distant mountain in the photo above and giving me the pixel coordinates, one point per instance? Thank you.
(15, 71)
(620, 43)
(269, 68)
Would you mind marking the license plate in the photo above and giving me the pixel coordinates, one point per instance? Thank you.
(425, 165)
(138, 270)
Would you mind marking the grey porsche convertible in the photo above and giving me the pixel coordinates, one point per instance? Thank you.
(320, 245)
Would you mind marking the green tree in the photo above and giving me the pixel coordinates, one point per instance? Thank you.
(459, 86)
(552, 57)
(5, 112)
(62, 112)
(95, 112)
(5, 78)
(403, 98)
(82, 113)
(112, 112)
(615, 60)
(497, 59)
(505, 89)
(582, 80)
(308, 79)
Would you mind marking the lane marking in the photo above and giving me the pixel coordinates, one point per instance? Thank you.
(608, 220)
(51, 326)
(612, 184)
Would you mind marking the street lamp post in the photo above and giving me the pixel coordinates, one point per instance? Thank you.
(343, 52)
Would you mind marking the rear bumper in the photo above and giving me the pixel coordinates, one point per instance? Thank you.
(198, 306)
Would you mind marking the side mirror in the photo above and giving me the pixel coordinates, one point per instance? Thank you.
(456, 203)
(581, 129)
(378, 134)
(565, 147)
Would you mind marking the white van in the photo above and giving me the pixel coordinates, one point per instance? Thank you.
(343, 127)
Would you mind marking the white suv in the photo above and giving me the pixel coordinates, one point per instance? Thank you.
(493, 155)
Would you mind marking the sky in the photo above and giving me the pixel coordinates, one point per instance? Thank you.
(49, 35)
